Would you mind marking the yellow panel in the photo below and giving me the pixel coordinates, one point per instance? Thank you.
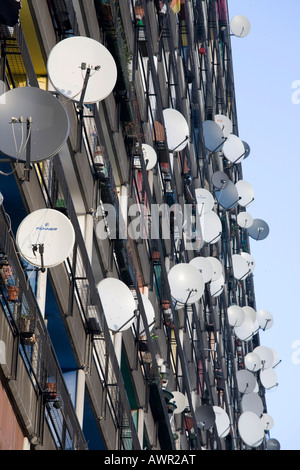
(32, 40)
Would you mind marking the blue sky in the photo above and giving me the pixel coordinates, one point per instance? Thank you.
(266, 65)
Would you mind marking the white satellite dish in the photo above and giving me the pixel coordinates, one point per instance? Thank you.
(205, 201)
(236, 315)
(217, 267)
(180, 401)
(149, 310)
(240, 267)
(251, 429)
(246, 381)
(266, 356)
(249, 259)
(250, 312)
(245, 331)
(268, 378)
(186, 283)
(118, 304)
(244, 219)
(216, 287)
(150, 156)
(240, 26)
(245, 192)
(225, 124)
(252, 402)
(234, 149)
(213, 136)
(32, 120)
(45, 238)
(222, 421)
(211, 227)
(205, 267)
(69, 62)
(265, 319)
(252, 362)
(267, 421)
(177, 129)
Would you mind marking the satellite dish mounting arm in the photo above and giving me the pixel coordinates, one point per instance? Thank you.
(40, 247)
(80, 105)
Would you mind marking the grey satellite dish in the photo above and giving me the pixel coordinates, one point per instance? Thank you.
(213, 136)
(80, 64)
(228, 198)
(34, 125)
(236, 315)
(45, 238)
(245, 192)
(205, 200)
(247, 149)
(181, 402)
(205, 267)
(268, 378)
(211, 227)
(216, 287)
(252, 362)
(273, 444)
(225, 124)
(268, 422)
(150, 156)
(205, 417)
(118, 304)
(240, 266)
(252, 402)
(251, 429)
(219, 180)
(259, 230)
(222, 421)
(240, 26)
(244, 219)
(265, 319)
(246, 381)
(177, 129)
(234, 149)
(186, 283)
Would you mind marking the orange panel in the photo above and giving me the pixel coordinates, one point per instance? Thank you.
(11, 436)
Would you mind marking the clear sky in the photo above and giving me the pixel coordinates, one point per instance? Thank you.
(266, 67)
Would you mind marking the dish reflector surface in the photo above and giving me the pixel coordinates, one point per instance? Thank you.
(177, 129)
(213, 136)
(240, 26)
(186, 283)
(251, 429)
(150, 156)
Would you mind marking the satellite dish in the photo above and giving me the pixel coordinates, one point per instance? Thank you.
(149, 310)
(240, 26)
(240, 267)
(247, 149)
(250, 312)
(228, 198)
(177, 130)
(245, 192)
(44, 126)
(222, 421)
(273, 444)
(252, 402)
(236, 315)
(186, 283)
(252, 362)
(259, 230)
(267, 421)
(45, 238)
(234, 149)
(68, 64)
(225, 124)
(150, 156)
(180, 401)
(249, 259)
(211, 227)
(251, 429)
(244, 219)
(265, 319)
(213, 136)
(266, 356)
(268, 378)
(118, 304)
(205, 267)
(276, 359)
(246, 381)
(205, 417)
(205, 201)
(246, 330)
(217, 267)
(220, 180)
(216, 287)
